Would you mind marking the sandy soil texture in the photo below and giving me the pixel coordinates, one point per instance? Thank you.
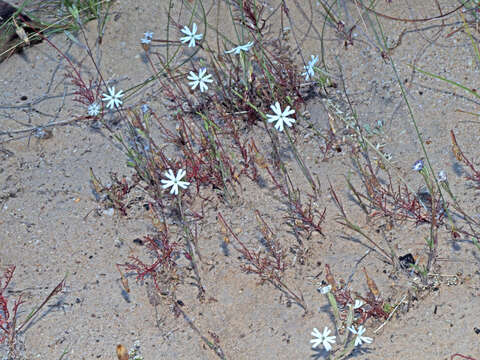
(52, 224)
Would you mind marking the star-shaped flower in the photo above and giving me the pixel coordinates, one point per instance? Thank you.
(174, 181)
(112, 98)
(322, 339)
(93, 109)
(191, 36)
(309, 68)
(239, 48)
(360, 338)
(280, 116)
(199, 80)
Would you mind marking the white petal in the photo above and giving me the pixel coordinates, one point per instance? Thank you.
(326, 332)
(358, 304)
(315, 342)
(361, 330)
(327, 346)
(181, 173)
(271, 118)
(186, 30)
(192, 76)
(234, 50)
(367, 339)
(276, 108)
(325, 289)
(169, 174)
(194, 84)
(316, 333)
(288, 111)
(183, 184)
(289, 121)
(166, 183)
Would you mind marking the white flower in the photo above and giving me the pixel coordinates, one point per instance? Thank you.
(174, 181)
(236, 50)
(199, 79)
(325, 289)
(93, 109)
(145, 40)
(281, 117)
(358, 304)
(322, 338)
(359, 339)
(442, 176)
(191, 35)
(310, 71)
(418, 165)
(112, 98)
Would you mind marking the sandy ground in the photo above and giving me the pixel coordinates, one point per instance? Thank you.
(45, 196)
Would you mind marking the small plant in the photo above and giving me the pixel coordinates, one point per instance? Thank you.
(269, 266)
(350, 314)
(9, 327)
(304, 218)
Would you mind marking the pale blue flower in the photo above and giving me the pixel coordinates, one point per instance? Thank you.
(147, 37)
(93, 109)
(309, 68)
(418, 165)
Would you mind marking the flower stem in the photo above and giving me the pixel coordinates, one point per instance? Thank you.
(191, 248)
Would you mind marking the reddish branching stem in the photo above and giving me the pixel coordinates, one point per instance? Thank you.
(269, 267)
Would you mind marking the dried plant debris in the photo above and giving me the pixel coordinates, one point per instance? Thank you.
(16, 30)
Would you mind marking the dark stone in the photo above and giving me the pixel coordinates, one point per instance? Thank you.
(406, 261)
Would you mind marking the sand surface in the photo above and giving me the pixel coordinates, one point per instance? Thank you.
(51, 224)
